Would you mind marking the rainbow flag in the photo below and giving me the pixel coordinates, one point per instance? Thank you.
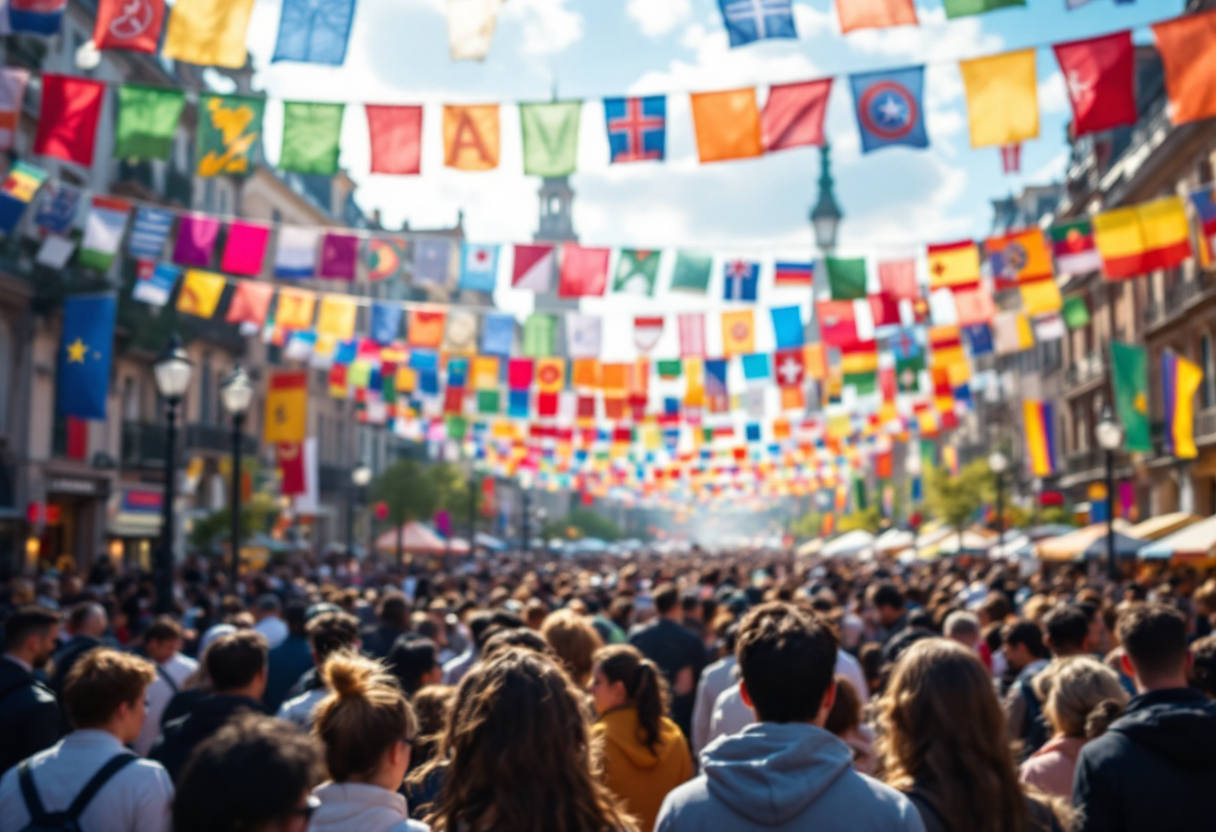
(1180, 380)
(1040, 436)
(794, 274)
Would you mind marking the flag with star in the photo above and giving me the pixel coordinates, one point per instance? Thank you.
(84, 357)
(890, 108)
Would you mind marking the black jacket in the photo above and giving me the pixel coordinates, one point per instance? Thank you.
(378, 640)
(673, 648)
(29, 715)
(1154, 770)
(179, 737)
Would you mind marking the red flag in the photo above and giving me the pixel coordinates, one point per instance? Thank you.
(1011, 158)
(67, 124)
(133, 25)
(584, 271)
(898, 279)
(885, 309)
(289, 457)
(790, 367)
(837, 322)
(875, 14)
(396, 137)
(647, 331)
(78, 438)
(1100, 75)
(793, 115)
(1188, 49)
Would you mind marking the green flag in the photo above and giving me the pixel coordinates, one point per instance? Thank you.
(907, 372)
(539, 330)
(692, 273)
(860, 497)
(550, 137)
(147, 121)
(847, 278)
(636, 272)
(228, 141)
(669, 368)
(457, 426)
(961, 8)
(310, 137)
(1129, 375)
(1075, 312)
(487, 402)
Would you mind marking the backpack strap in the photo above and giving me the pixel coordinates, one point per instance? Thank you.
(33, 803)
(90, 790)
(164, 674)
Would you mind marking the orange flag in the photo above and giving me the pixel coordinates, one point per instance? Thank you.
(738, 333)
(1187, 46)
(875, 14)
(727, 125)
(426, 328)
(295, 309)
(471, 137)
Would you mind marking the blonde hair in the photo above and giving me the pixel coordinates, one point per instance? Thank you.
(1071, 689)
(364, 715)
(574, 641)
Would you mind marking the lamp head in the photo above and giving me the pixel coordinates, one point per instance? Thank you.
(361, 476)
(1109, 432)
(998, 463)
(173, 370)
(237, 392)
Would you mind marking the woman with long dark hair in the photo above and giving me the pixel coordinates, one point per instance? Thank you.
(519, 754)
(645, 755)
(944, 744)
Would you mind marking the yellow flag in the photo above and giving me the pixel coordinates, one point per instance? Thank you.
(200, 293)
(1002, 98)
(485, 372)
(727, 125)
(471, 137)
(1040, 296)
(738, 333)
(287, 407)
(337, 317)
(209, 32)
(295, 309)
(550, 374)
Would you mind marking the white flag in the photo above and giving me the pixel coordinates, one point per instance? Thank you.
(55, 251)
(471, 28)
(584, 335)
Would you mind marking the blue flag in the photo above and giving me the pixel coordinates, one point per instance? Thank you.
(314, 31)
(755, 366)
(428, 382)
(637, 128)
(753, 432)
(979, 338)
(150, 233)
(57, 210)
(742, 280)
(715, 376)
(517, 404)
(748, 21)
(890, 108)
(386, 322)
(84, 357)
(478, 267)
(497, 333)
(424, 361)
(787, 327)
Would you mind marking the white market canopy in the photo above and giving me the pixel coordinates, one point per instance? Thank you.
(1195, 542)
(849, 544)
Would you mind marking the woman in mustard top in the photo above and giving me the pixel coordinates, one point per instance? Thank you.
(645, 755)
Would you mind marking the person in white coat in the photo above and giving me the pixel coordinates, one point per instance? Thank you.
(163, 643)
(367, 728)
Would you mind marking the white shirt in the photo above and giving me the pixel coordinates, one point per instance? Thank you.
(456, 669)
(178, 668)
(298, 711)
(716, 678)
(136, 799)
(274, 629)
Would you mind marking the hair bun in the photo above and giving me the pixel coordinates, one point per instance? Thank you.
(1101, 716)
(347, 675)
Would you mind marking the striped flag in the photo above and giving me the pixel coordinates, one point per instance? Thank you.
(794, 274)
(150, 233)
(692, 334)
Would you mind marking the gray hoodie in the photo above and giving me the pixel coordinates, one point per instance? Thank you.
(359, 807)
(784, 777)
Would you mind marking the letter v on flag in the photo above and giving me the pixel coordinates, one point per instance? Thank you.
(533, 268)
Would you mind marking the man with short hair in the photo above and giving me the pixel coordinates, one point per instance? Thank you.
(236, 665)
(964, 628)
(104, 699)
(253, 775)
(1067, 629)
(328, 633)
(30, 719)
(786, 772)
(1155, 767)
(392, 622)
(163, 644)
(890, 607)
(268, 612)
(678, 652)
(87, 623)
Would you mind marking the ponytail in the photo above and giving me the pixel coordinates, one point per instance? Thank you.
(1101, 716)
(644, 685)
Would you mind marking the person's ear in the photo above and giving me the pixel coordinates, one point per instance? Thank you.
(1125, 663)
(745, 695)
(829, 699)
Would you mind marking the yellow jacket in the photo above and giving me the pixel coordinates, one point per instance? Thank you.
(640, 777)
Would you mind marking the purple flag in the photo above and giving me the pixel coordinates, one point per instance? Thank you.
(196, 236)
(339, 256)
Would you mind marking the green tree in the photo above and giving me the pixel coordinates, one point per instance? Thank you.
(867, 519)
(1063, 515)
(586, 523)
(258, 514)
(955, 500)
(807, 526)
(408, 491)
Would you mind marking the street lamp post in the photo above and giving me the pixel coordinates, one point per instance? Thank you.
(998, 463)
(359, 478)
(237, 395)
(1110, 438)
(474, 484)
(826, 215)
(172, 371)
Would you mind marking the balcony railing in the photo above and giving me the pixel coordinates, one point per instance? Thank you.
(1080, 462)
(1205, 425)
(143, 444)
(1085, 369)
(217, 438)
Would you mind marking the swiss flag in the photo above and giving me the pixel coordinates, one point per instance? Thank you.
(1100, 75)
(289, 457)
(790, 367)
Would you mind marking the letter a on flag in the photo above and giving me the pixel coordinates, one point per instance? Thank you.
(471, 137)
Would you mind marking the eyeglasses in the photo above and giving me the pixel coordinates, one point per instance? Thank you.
(310, 805)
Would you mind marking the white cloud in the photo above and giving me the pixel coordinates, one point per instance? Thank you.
(549, 26)
(658, 17)
(1052, 171)
(1053, 94)
(933, 40)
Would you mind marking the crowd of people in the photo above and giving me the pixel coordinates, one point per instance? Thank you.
(728, 692)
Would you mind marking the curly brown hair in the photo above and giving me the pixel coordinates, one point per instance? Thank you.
(520, 757)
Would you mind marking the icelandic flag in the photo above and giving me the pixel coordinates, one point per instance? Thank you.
(84, 357)
(149, 234)
(742, 281)
(752, 20)
(637, 128)
(478, 267)
(890, 108)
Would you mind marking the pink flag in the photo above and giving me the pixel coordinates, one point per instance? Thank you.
(584, 271)
(793, 115)
(692, 334)
(245, 249)
(196, 236)
(898, 279)
(250, 302)
(339, 256)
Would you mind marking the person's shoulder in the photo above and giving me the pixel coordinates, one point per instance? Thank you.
(876, 796)
(687, 796)
(144, 773)
(410, 826)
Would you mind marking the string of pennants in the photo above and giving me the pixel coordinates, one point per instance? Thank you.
(1001, 92)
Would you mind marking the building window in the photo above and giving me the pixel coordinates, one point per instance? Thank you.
(1207, 391)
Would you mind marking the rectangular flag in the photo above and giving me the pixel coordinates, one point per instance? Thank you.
(692, 272)
(84, 356)
(787, 326)
(1100, 77)
(228, 140)
(1019, 256)
(339, 256)
(550, 137)
(250, 303)
(35, 17)
(432, 261)
(889, 106)
(425, 328)
(67, 120)
(1075, 312)
(1141, 238)
(897, 278)
(311, 136)
(314, 31)
(846, 278)
(859, 363)
(103, 231)
(497, 334)
(55, 251)
(584, 335)
(533, 268)
(471, 137)
(478, 267)
(286, 407)
(637, 128)
(691, 326)
(156, 285)
(209, 32)
(1002, 98)
(953, 265)
(875, 14)
(1039, 417)
(58, 208)
(1187, 46)
(295, 309)
(296, 252)
(1074, 248)
(540, 334)
(1205, 210)
(961, 8)
(748, 21)
(386, 323)
(200, 293)
(636, 272)
(1180, 380)
(738, 332)
(336, 318)
(471, 26)
(793, 115)
(17, 192)
(196, 238)
(647, 330)
(150, 233)
(584, 271)
(245, 249)
(396, 139)
(727, 124)
(793, 274)
(1129, 377)
(148, 118)
(122, 25)
(741, 281)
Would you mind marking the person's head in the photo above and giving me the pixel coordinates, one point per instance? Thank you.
(964, 628)
(88, 618)
(845, 716)
(105, 689)
(1022, 641)
(162, 639)
(1067, 628)
(432, 706)
(666, 600)
(523, 637)
(365, 724)
(1155, 653)
(236, 663)
(787, 658)
(393, 610)
(295, 615)
(30, 633)
(252, 775)
(995, 608)
(623, 677)
(268, 605)
(943, 731)
(888, 602)
(330, 632)
(520, 755)
(1203, 665)
(574, 640)
(415, 663)
(1072, 689)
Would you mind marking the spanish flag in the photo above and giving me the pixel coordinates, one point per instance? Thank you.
(952, 265)
(1180, 380)
(1142, 238)
(1040, 436)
